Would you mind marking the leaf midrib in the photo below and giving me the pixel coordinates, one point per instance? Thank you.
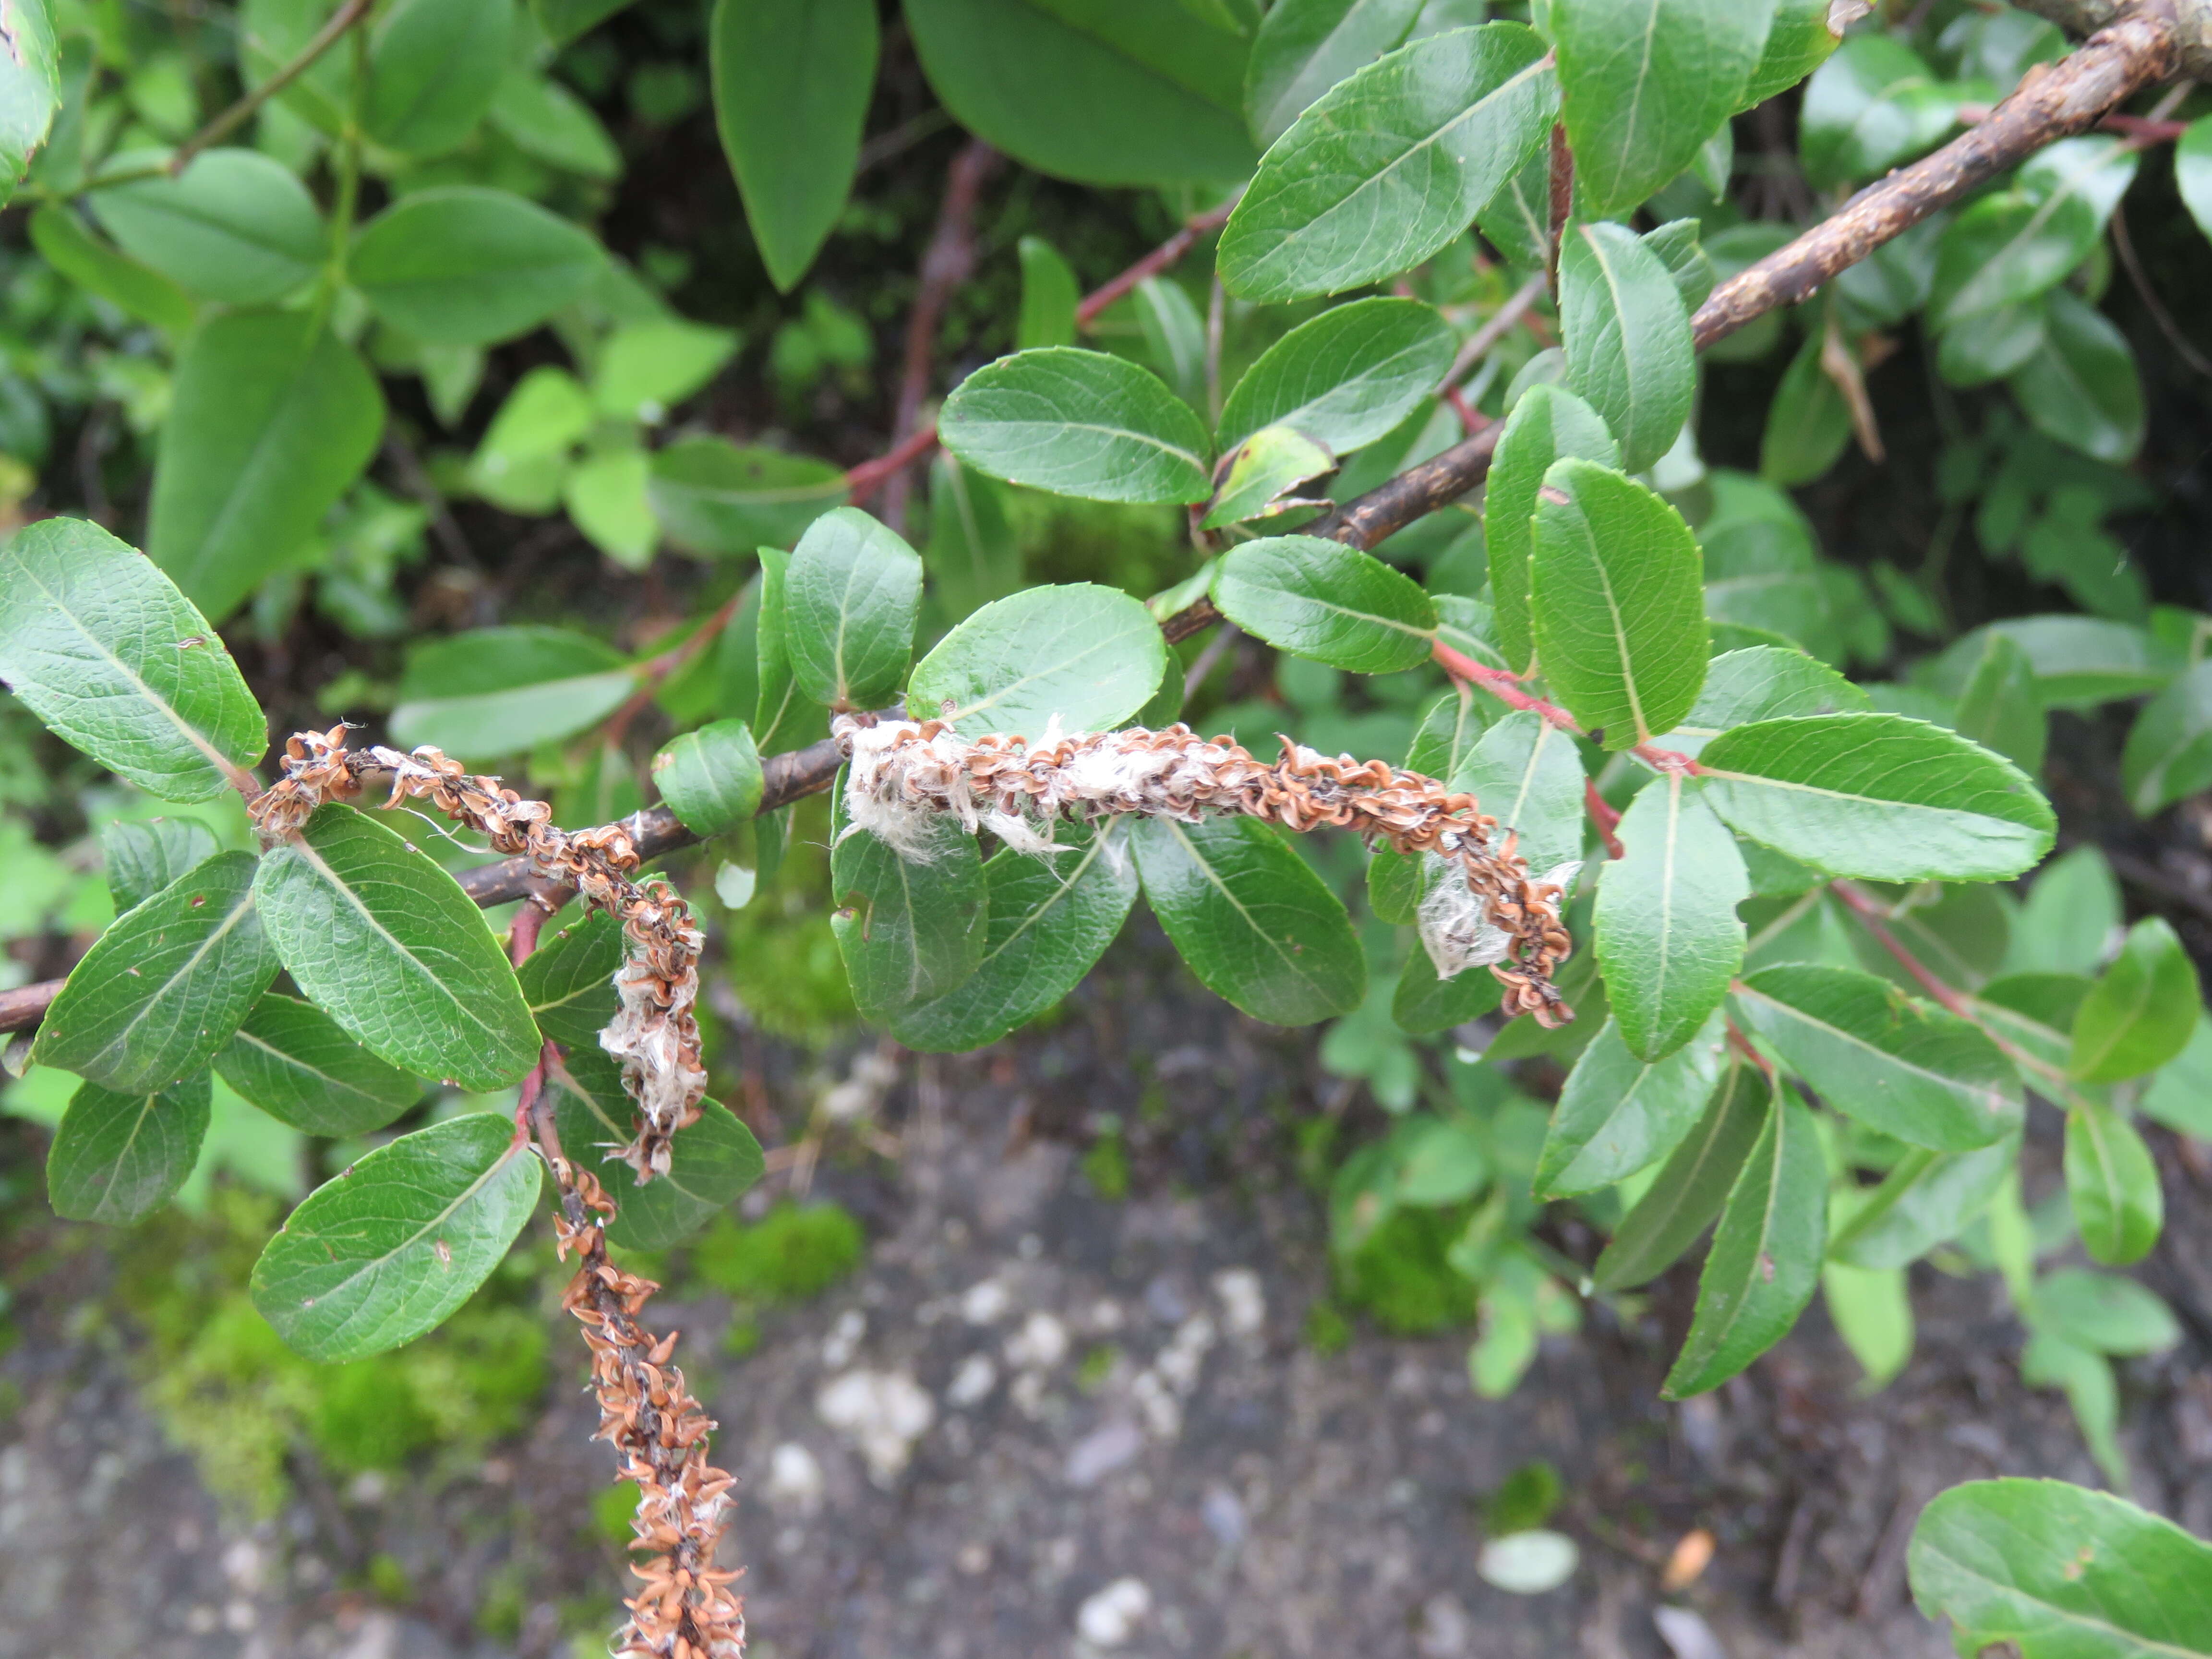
(1954, 1086)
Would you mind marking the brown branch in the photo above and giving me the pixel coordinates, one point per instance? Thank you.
(1605, 817)
(864, 480)
(654, 672)
(1506, 688)
(654, 831)
(947, 264)
(1561, 182)
(2052, 102)
(1167, 254)
(244, 110)
(1509, 316)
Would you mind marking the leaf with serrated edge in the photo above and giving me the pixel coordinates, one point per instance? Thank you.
(1766, 1260)
(1878, 796)
(100, 646)
(1548, 423)
(1690, 1188)
(1667, 930)
(117, 1157)
(165, 985)
(1079, 423)
(1254, 921)
(1050, 921)
(1086, 656)
(1319, 598)
(716, 1158)
(1627, 338)
(1899, 1065)
(386, 942)
(1390, 164)
(1618, 1114)
(1345, 378)
(1617, 598)
(292, 1061)
(387, 1250)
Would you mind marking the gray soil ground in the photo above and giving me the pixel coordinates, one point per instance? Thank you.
(923, 1475)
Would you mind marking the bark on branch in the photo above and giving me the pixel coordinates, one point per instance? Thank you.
(2137, 46)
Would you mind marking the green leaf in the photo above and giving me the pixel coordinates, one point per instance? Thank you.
(434, 66)
(498, 692)
(2192, 170)
(1174, 334)
(1050, 921)
(1254, 921)
(270, 421)
(1346, 377)
(292, 1061)
(30, 88)
(849, 602)
(2082, 388)
(102, 647)
(2180, 1096)
(605, 497)
(2079, 661)
(1260, 474)
(1306, 46)
(712, 497)
(644, 369)
(1807, 424)
(2064, 1572)
(118, 1156)
(1643, 82)
(2007, 248)
(1085, 656)
(2113, 1181)
(165, 985)
(2169, 748)
(909, 930)
(1390, 164)
(1990, 344)
(1157, 82)
(1926, 1200)
(142, 859)
(1549, 424)
(1999, 708)
(235, 226)
(2034, 1011)
(2066, 923)
(1766, 1259)
(1798, 44)
(386, 942)
(1665, 925)
(792, 82)
(2050, 1361)
(1078, 423)
(711, 777)
(780, 717)
(1871, 105)
(568, 980)
(1421, 1003)
(1693, 1186)
(564, 20)
(1618, 1114)
(1879, 796)
(461, 264)
(1871, 1309)
(2141, 1012)
(137, 289)
(1894, 1063)
(1759, 683)
(1525, 774)
(2105, 1312)
(546, 120)
(1320, 598)
(716, 1160)
(394, 1245)
(1617, 598)
(526, 453)
(1517, 220)
(1627, 339)
(1049, 296)
(974, 556)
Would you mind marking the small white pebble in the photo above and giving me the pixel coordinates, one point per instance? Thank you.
(794, 1477)
(844, 1339)
(882, 1413)
(973, 1382)
(1040, 1343)
(986, 1303)
(1111, 1617)
(1243, 1302)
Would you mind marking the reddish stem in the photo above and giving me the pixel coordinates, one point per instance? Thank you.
(1744, 1046)
(1871, 915)
(1471, 419)
(2148, 129)
(1602, 814)
(864, 480)
(1159, 259)
(1506, 688)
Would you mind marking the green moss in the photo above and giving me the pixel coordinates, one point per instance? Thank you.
(500, 1609)
(612, 1511)
(1527, 1499)
(1106, 1165)
(742, 1338)
(1398, 1274)
(388, 1580)
(1097, 1365)
(228, 1389)
(1327, 1331)
(792, 1252)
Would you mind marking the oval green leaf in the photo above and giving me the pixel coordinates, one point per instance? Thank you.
(2113, 1180)
(1084, 656)
(292, 1061)
(715, 1159)
(568, 980)
(234, 226)
(493, 692)
(1618, 1114)
(1345, 378)
(1319, 598)
(1548, 424)
(1079, 423)
(1691, 1187)
(712, 497)
(2142, 1010)
(850, 598)
(711, 777)
(1627, 338)
(118, 1157)
(464, 265)
(1667, 930)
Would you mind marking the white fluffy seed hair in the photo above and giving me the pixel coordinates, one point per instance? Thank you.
(1454, 921)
